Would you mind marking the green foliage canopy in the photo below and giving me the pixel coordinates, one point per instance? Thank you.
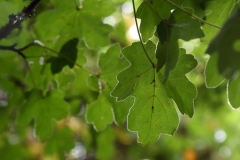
(64, 62)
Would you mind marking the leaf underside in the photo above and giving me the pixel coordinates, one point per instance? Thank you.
(154, 110)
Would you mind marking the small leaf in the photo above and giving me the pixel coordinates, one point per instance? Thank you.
(67, 56)
(99, 113)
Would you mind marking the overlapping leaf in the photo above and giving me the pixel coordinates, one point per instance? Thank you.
(67, 56)
(43, 111)
(151, 12)
(99, 113)
(61, 142)
(225, 44)
(197, 6)
(105, 109)
(219, 11)
(154, 110)
(179, 26)
(75, 19)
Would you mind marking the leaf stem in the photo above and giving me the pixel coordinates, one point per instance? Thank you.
(19, 52)
(139, 35)
(200, 19)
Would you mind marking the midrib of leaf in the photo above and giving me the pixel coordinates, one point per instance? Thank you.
(154, 98)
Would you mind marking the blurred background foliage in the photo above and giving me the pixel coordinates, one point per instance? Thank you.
(212, 133)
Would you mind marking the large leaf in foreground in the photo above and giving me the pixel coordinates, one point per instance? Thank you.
(154, 110)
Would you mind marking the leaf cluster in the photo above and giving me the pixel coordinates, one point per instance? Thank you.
(63, 74)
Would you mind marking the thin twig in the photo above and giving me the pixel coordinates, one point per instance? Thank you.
(19, 52)
(15, 20)
(139, 35)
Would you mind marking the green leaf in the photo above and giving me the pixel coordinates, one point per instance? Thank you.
(179, 26)
(70, 20)
(99, 113)
(220, 11)
(112, 63)
(105, 144)
(44, 111)
(151, 12)
(121, 110)
(181, 90)
(65, 79)
(233, 90)
(212, 76)
(7, 9)
(223, 44)
(197, 6)
(154, 110)
(93, 82)
(67, 56)
(167, 53)
(61, 142)
(184, 26)
(39, 74)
